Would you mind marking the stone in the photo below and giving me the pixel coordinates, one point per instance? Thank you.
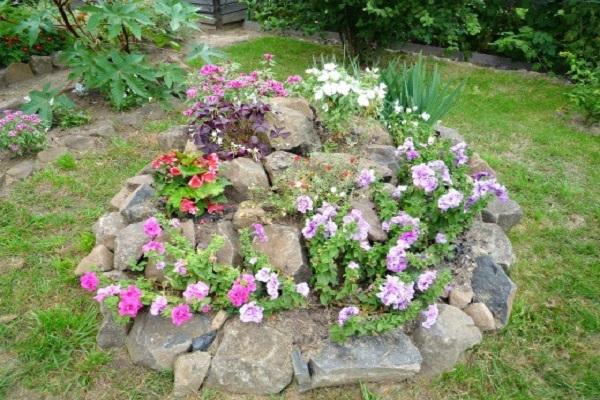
(140, 212)
(188, 230)
(115, 276)
(203, 342)
(302, 136)
(142, 194)
(494, 288)
(443, 345)
(100, 258)
(285, 251)
(370, 131)
(56, 60)
(218, 320)
(244, 174)
(301, 371)
(110, 333)
(118, 200)
(173, 139)
(295, 103)
(102, 129)
(80, 143)
(15, 73)
(367, 208)
(478, 165)
(21, 170)
(351, 160)
(52, 154)
(139, 180)
(107, 227)
(489, 239)
(229, 254)
(449, 133)
(190, 371)
(247, 214)
(251, 359)
(277, 162)
(460, 296)
(481, 315)
(128, 246)
(384, 156)
(386, 357)
(155, 342)
(504, 213)
(41, 64)
(153, 273)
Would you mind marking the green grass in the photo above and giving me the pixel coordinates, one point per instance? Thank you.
(550, 349)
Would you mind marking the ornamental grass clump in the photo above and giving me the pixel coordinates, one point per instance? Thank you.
(21, 133)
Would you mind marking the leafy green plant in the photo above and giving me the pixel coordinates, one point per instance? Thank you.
(67, 162)
(69, 117)
(45, 102)
(585, 94)
(416, 88)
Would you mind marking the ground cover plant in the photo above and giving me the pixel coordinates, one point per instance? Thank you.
(549, 349)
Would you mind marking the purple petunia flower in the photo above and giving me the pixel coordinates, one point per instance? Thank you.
(346, 313)
(431, 315)
(452, 199)
(440, 238)
(424, 177)
(259, 233)
(425, 280)
(251, 312)
(304, 204)
(365, 178)
(395, 293)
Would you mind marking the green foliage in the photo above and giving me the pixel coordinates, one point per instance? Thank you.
(67, 162)
(203, 54)
(585, 94)
(537, 47)
(416, 87)
(46, 102)
(367, 394)
(68, 117)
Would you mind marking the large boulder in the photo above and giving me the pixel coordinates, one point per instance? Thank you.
(295, 103)
(229, 254)
(100, 258)
(128, 246)
(443, 345)
(350, 161)
(285, 251)
(15, 73)
(248, 213)
(301, 136)
(370, 131)
(494, 288)
(384, 156)
(107, 227)
(155, 342)
(243, 174)
(110, 333)
(367, 209)
(449, 133)
(387, 357)
(488, 239)
(140, 195)
(41, 64)
(504, 213)
(190, 370)
(102, 129)
(251, 358)
(173, 139)
(277, 162)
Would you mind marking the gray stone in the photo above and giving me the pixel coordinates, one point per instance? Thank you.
(107, 227)
(443, 345)
(367, 208)
(52, 154)
(80, 143)
(140, 212)
(370, 131)
(173, 139)
(100, 258)
(229, 254)
(203, 342)
(111, 334)
(244, 174)
(387, 357)
(188, 230)
(460, 296)
(350, 160)
(301, 371)
(139, 180)
(488, 239)
(295, 103)
(277, 162)
(103, 129)
(302, 136)
(21, 170)
(252, 358)
(155, 342)
(494, 288)
(116, 203)
(219, 319)
(285, 251)
(153, 273)
(140, 195)
(15, 73)
(56, 60)
(504, 213)
(128, 246)
(247, 214)
(478, 165)
(449, 133)
(41, 64)
(482, 316)
(384, 156)
(190, 371)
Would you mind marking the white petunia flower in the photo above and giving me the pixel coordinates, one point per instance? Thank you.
(329, 67)
(425, 116)
(363, 100)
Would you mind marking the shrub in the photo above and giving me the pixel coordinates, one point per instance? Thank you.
(585, 94)
(417, 89)
(54, 108)
(21, 133)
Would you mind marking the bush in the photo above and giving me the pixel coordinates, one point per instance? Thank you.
(54, 108)
(21, 133)
(585, 94)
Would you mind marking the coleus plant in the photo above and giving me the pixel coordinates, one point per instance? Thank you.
(189, 182)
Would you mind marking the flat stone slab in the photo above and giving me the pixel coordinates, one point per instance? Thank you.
(155, 342)
(388, 357)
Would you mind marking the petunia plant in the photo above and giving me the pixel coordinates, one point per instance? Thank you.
(21, 133)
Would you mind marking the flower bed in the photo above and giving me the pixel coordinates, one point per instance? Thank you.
(373, 235)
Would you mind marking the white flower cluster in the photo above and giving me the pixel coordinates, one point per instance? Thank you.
(398, 109)
(333, 81)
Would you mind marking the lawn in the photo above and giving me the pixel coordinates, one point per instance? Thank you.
(550, 349)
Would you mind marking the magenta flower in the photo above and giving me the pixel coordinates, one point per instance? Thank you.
(210, 69)
(293, 79)
(89, 281)
(191, 93)
(152, 227)
(346, 313)
(238, 294)
(196, 291)
(181, 314)
(129, 307)
(251, 312)
(107, 291)
(268, 57)
(155, 246)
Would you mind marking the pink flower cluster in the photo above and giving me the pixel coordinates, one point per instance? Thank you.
(20, 132)
(241, 289)
(131, 301)
(152, 229)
